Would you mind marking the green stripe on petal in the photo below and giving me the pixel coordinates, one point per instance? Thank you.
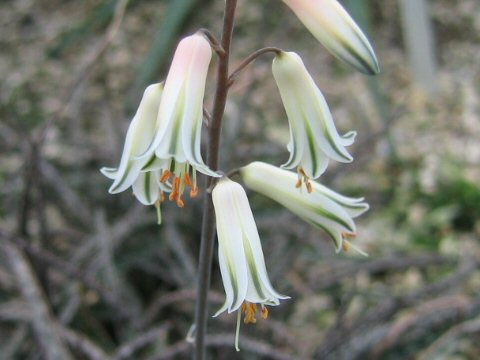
(253, 268)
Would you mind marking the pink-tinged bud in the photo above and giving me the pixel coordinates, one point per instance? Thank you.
(175, 149)
(330, 23)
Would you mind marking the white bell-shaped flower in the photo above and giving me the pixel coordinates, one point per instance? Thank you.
(313, 136)
(322, 207)
(240, 254)
(175, 149)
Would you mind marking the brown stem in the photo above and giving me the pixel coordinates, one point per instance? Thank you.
(249, 59)
(213, 41)
(208, 223)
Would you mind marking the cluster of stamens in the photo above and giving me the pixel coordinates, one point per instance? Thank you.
(303, 178)
(179, 184)
(345, 242)
(250, 310)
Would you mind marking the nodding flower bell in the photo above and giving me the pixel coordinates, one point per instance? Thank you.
(330, 23)
(240, 255)
(322, 208)
(175, 149)
(146, 185)
(313, 136)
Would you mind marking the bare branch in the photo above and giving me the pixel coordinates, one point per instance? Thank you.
(82, 343)
(66, 268)
(42, 320)
(127, 350)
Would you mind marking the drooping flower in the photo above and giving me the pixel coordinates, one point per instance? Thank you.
(175, 149)
(313, 136)
(322, 208)
(330, 23)
(240, 254)
(146, 185)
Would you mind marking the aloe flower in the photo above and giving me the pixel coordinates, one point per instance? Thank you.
(175, 149)
(328, 21)
(146, 185)
(313, 136)
(240, 254)
(322, 208)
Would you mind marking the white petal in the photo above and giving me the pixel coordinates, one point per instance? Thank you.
(145, 188)
(260, 288)
(109, 172)
(232, 261)
(139, 135)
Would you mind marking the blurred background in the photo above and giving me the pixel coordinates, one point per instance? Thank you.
(88, 275)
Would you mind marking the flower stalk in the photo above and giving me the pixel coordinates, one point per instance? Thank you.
(208, 222)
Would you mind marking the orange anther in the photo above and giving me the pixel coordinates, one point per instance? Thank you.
(162, 196)
(176, 184)
(249, 310)
(180, 202)
(165, 176)
(348, 235)
(345, 246)
(299, 183)
(175, 194)
(264, 312)
(309, 186)
(194, 192)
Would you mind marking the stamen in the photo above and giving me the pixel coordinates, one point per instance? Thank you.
(348, 235)
(306, 180)
(237, 329)
(194, 173)
(345, 243)
(349, 245)
(194, 192)
(249, 309)
(186, 180)
(165, 176)
(159, 211)
(174, 195)
(309, 186)
(180, 202)
(299, 181)
(264, 312)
